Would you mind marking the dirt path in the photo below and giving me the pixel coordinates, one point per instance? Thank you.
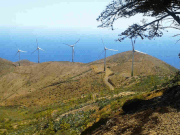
(99, 69)
(85, 108)
(108, 73)
(91, 107)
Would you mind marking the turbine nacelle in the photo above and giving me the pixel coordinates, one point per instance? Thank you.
(19, 54)
(105, 54)
(72, 45)
(38, 48)
(109, 49)
(21, 51)
(72, 48)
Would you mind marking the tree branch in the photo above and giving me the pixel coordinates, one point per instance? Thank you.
(173, 15)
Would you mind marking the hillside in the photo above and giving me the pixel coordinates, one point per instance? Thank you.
(83, 92)
(57, 80)
(23, 63)
(5, 66)
(144, 65)
(28, 80)
(156, 112)
(122, 62)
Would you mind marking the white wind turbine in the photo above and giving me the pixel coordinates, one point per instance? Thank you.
(72, 49)
(133, 55)
(19, 54)
(105, 55)
(38, 48)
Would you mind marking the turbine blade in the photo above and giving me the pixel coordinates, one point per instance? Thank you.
(76, 42)
(111, 49)
(41, 49)
(33, 52)
(68, 45)
(16, 46)
(100, 54)
(15, 54)
(37, 43)
(102, 41)
(22, 51)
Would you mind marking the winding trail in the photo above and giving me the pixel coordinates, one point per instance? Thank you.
(100, 69)
(90, 106)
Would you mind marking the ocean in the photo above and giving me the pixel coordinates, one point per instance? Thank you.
(86, 50)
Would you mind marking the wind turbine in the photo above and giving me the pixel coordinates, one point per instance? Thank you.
(38, 48)
(105, 55)
(72, 49)
(19, 54)
(133, 55)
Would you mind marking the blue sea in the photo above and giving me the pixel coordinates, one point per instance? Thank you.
(87, 49)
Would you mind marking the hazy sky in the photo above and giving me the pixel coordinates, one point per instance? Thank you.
(58, 15)
(53, 14)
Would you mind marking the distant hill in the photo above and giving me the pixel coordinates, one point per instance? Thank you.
(144, 64)
(4, 64)
(24, 63)
(57, 80)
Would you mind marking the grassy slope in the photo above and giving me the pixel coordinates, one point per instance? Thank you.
(61, 87)
(24, 63)
(6, 66)
(48, 82)
(155, 112)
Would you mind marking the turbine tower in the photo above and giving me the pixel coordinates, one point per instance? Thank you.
(105, 55)
(38, 48)
(19, 54)
(179, 57)
(72, 49)
(133, 55)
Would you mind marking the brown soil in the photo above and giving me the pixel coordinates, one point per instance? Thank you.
(148, 122)
(157, 116)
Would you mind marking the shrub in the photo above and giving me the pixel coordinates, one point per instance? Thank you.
(64, 126)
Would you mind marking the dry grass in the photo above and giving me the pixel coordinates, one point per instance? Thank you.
(45, 83)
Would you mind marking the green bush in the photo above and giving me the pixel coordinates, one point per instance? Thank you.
(77, 121)
(64, 126)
